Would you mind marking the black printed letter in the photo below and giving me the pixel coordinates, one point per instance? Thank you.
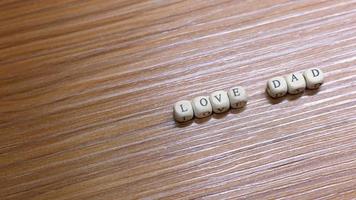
(276, 83)
(181, 106)
(294, 78)
(203, 102)
(218, 98)
(315, 72)
(236, 92)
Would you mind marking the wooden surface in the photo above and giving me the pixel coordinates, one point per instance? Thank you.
(87, 88)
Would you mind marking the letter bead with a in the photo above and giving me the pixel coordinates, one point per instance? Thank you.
(277, 87)
(238, 97)
(314, 78)
(220, 101)
(202, 107)
(183, 111)
(296, 83)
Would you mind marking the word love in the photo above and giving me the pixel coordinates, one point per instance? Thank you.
(295, 83)
(203, 106)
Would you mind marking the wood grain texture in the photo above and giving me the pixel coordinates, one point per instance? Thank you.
(87, 88)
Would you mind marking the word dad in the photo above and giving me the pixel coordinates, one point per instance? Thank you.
(295, 83)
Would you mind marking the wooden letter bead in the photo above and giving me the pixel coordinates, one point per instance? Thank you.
(238, 97)
(314, 78)
(277, 87)
(183, 111)
(202, 107)
(296, 83)
(220, 101)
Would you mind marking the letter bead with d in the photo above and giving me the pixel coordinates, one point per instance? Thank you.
(314, 78)
(277, 87)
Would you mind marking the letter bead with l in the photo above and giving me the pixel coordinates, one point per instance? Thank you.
(183, 111)
(277, 87)
(220, 101)
(314, 78)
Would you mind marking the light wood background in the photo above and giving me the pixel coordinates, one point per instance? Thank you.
(87, 88)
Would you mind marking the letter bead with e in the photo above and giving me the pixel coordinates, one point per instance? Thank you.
(238, 97)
